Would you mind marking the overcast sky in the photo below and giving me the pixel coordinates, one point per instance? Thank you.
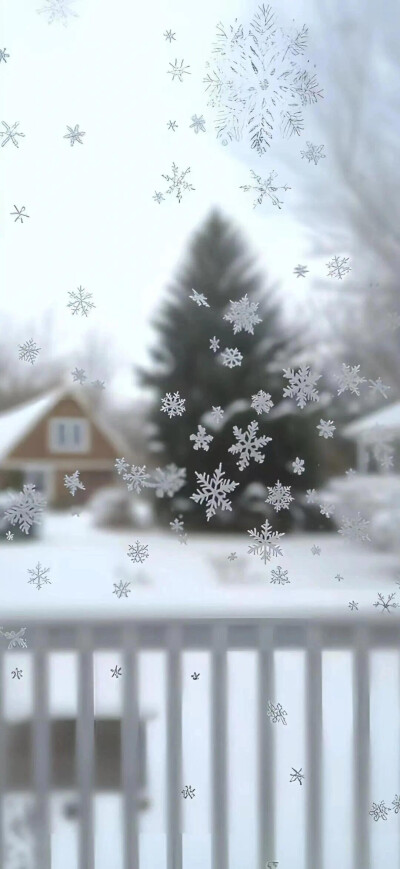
(93, 221)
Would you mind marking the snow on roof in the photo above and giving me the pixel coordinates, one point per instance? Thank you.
(18, 421)
(389, 417)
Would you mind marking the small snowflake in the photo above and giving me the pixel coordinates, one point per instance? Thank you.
(232, 556)
(80, 301)
(9, 535)
(199, 298)
(59, 10)
(231, 357)
(300, 271)
(379, 810)
(98, 384)
(276, 713)
(311, 496)
(17, 673)
(261, 402)
(337, 267)
(20, 215)
(116, 671)
(264, 187)
(158, 197)
(10, 134)
(74, 135)
(79, 375)
(39, 576)
(195, 676)
(279, 576)
(201, 439)
(177, 182)
(172, 125)
(243, 315)
(353, 605)
(29, 351)
(122, 589)
(214, 344)
(301, 385)
(297, 775)
(378, 387)
(279, 496)
(298, 466)
(178, 70)
(326, 428)
(265, 542)
(173, 405)
(26, 508)
(386, 605)
(316, 550)
(313, 153)
(3, 55)
(138, 552)
(354, 528)
(349, 379)
(72, 482)
(136, 478)
(198, 124)
(339, 577)
(169, 35)
(188, 792)
(178, 527)
(248, 445)
(217, 414)
(327, 510)
(213, 490)
(396, 804)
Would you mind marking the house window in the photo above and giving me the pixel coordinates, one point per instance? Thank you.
(69, 435)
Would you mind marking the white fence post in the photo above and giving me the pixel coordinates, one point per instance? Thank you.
(313, 782)
(219, 732)
(361, 749)
(85, 748)
(174, 748)
(41, 747)
(266, 747)
(3, 749)
(130, 748)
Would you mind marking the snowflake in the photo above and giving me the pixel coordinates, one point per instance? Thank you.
(217, 414)
(116, 671)
(72, 482)
(349, 379)
(213, 490)
(396, 804)
(337, 267)
(80, 302)
(231, 357)
(326, 428)
(276, 713)
(198, 123)
(353, 605)
(248, 445)
(298, 466)
(314, 153)
(74, 135)
(379, 810)
(386, 605)
(173, 405)
(39, 576)
(3, 55)
(9, 535)
(178, 70)
(79, 375)
(201, 439)
(188, 791)
(136, 478)
(17, 673)
(199, 298)
(243, 315)
(26, 509)
(382, 449)
(279, 575)
(232, 556)
(339, 577)
(310, 496)
(257, 81)
(98, 384)
(16, 638)
(172, 125)
(168, 480)
(21, 216)
(265, 542)
(122, 589)
(158, 197)
(378, 387)
(138, 552)
(10, 134)
(316, 550)
(300, 271)
(178, 527)
(264, 187)
(261, 402)
(29, 351)
(279, 496)
(59, 10)
(301, 385)
(354, 528)
(169, 35)
(177, 182)
(327, 510)
(297, 775)
(214, 344)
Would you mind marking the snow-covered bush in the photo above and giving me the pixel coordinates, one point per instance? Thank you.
(115, 507)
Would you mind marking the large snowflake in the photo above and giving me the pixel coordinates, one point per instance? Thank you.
(248, 445)
(29, 351)
(301, 385)
(259, 82)
(243, 315)
(354, 528)
(177, 182)
(279, 496)
(80, 301)
(214, 490)
(265, 542)
(349, 379)
(231, 357)
(39, 576)
(167, 481)
(173, 405)
(26, 508)
(264, 187)
(138, 552)
(262, 402)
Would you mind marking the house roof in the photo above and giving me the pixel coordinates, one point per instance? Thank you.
(16, 423)
(388, 417)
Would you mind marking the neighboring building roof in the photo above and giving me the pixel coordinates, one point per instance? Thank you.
(388, 417)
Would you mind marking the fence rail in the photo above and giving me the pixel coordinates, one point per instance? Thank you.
(218, 637)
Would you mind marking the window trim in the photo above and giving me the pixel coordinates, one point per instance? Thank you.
(69, 447)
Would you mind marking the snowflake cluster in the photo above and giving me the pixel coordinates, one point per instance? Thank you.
(379, 811)
(136, 478)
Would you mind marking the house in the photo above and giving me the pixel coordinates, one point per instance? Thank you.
(376, 429)
(57, 434)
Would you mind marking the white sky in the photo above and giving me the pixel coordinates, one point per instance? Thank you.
(93, 221)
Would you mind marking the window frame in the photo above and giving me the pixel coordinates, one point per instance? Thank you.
(69, 446)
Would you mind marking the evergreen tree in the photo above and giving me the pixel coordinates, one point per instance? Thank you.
(220, 266)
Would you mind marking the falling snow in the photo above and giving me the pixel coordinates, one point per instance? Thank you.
(199, 298)
(58, 10)
(136, 478)
(10, 134)
(178, 70)
(326, 428)
(74, 135)
(298, 466)
(276, 713)
(386, 605)
(354, 528)
(248, 445)
(138, 552)
(198, 124)
(279, 576)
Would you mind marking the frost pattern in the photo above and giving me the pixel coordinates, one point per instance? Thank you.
(213, 491)
(248, 445)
